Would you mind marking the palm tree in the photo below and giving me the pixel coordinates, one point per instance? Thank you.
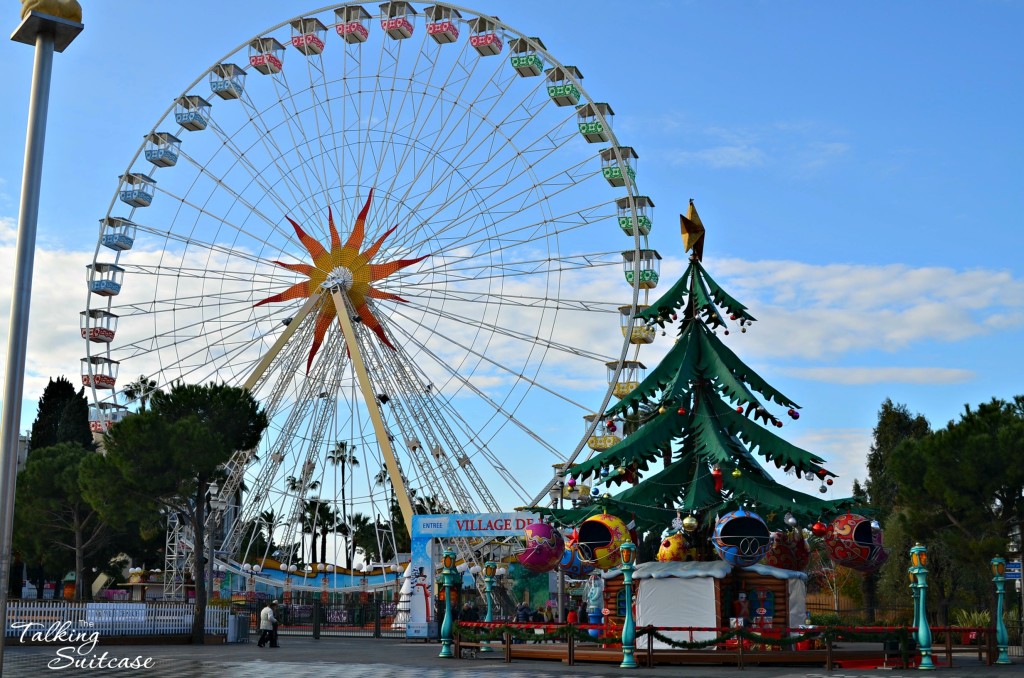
(294, 484)
(364, 535)
(140, 389)
(343, 455)
(269, 521)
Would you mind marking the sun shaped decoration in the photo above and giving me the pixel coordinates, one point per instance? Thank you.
(342, 266)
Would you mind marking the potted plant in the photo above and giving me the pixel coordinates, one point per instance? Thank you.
(971, 619)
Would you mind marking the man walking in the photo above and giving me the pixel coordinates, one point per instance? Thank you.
(268, 625)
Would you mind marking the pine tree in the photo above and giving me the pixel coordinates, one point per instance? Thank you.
(62, 417)
(706, 414)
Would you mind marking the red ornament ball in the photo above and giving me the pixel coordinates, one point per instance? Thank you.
(739, 410)
(822, 473)
(819, 529)
(793, 413)
(828, 481)
(681, 410)
(778, 423)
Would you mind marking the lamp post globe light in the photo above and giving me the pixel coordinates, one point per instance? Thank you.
(447, 577)
(1002, 637)
(628, 551)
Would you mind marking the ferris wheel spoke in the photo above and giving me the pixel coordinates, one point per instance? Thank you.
(511, 268)
(525, 338)
(560, 303)
(466, 383)
(514, 204)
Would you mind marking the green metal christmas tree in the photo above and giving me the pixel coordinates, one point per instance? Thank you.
(704, 416)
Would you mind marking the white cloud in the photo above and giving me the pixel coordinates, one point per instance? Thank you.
(882, 375)
(845, 451)
(825, 311)
(719, 157)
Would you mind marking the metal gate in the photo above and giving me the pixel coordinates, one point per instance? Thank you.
(356, 615)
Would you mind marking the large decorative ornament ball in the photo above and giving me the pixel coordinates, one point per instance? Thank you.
(689, 523)
(790, 520)
(822, 473)
(819, 529)
(741, 538)
(600, 539)
(675, 548)
(788, 551)
(604, 471)
(573, 565)
(571, 482)
(823, 489)
(851, 542)
(544, 547)
(595, 491)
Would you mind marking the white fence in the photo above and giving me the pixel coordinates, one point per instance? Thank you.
(27, 617)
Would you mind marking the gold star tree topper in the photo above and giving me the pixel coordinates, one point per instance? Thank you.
(693, 232)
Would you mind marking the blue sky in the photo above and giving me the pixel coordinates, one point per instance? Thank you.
(858, 169)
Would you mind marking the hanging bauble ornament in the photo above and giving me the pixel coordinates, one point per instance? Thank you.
(571, 482)
(828, 481)
(790, 519)
(743, 329)
(677, 523)
(716, 475)
(675, 548)
(604, 471)
(606, 495)
(681, 410)
(822, 473)
(736, 473)
(727, 333)
(689, 523)
(732, 316)
(823, 489)
(875, 525)
(852, 542)
(612, 428)
(674, 316)
(777, 422)
(600, 537)
(610, 422)
(741, 538)
(544, 547)
(793, 413)
(663, 333)
(595, 491)
(661, 410)
(819, 529)
(739, 410)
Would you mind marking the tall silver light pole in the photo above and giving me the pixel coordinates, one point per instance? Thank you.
(48, 34)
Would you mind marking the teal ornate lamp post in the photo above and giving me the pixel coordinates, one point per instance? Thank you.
(918, 568)
(489, 570)
(447, 574)
(914, 593)
(1002, 637)
(629, 625)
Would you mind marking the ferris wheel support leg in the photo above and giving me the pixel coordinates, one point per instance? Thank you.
(345, 320)
(289, 330)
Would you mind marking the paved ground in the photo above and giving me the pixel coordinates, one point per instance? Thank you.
(303, 657)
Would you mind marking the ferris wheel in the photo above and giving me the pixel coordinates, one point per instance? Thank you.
(394, 225)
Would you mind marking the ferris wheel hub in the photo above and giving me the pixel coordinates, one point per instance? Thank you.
(340, 277)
